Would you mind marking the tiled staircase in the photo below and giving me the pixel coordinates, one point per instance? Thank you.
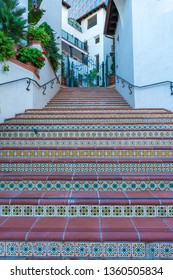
(87, 177)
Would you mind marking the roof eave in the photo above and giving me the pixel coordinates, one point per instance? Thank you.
(111, 19)
(103, 5)
(66, 4)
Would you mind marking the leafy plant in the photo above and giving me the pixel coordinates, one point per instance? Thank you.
(6, 47)
(51, 47)
(39, 34)
(12, 22)
(35, 14)
(6, 68)
(33, 55)
(91, 77)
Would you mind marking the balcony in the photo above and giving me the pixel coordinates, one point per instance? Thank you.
(70, 38)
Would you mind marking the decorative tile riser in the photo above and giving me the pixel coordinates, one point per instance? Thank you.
(88, 127)
(86, 111)
(86, 211)
(88, 134)
(93, 116)
(90, 143)
(101, 120)
(85, 250)
(87, 167)
(38, 185)
(86, 153)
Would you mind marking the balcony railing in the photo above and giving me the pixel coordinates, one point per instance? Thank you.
(74, 40)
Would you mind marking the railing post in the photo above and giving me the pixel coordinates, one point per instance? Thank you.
(107, 71)
(72, 74)
(103, 74)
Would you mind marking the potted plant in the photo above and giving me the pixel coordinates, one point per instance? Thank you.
(6, 49)
(33, 55)
(36, 33)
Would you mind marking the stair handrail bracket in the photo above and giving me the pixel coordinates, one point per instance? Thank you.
(29, 80)
(132, 86)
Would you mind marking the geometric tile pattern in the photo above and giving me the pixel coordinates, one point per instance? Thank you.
(93, 142)
(86, 153)
(86, 211)
(86, 185)
(82, 250)
(130, 119)
(88, 167)
(89, 134)
(87, 127)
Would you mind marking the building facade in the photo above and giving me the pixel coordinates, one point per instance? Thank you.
(82, 7)
(143, 48)
(85, 45)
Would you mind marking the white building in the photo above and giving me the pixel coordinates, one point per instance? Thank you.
(143, 50)
(84, 42)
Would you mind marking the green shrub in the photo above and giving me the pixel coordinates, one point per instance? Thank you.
(38, 34)
(33, 55)
(12, 22)
(52, 50)
(6, 47)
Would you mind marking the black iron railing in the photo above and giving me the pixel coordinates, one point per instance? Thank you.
(29, 80)
(131, 86)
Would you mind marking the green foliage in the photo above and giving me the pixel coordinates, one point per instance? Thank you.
(35, 15)
(51, 47)
(91, 77)
(33, 55)
(39, 34)
(6, 47)
(12, 22)
(6, 68)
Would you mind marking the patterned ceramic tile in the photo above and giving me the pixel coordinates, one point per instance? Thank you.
(138, 250)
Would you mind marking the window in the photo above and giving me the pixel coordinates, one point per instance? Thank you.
(97, 39)
(92, 21)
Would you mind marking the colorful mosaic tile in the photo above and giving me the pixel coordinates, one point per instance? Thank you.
(88, 211)
(12, 249)
(68, 249)
(110, 250)
(124, 250)
(2, 249)
(54, 249)
(138, 250)
(40, 249)
(107, 250)
(153, 250)
(166, 250)
(82, 250)
(26, 249)
(96, 250)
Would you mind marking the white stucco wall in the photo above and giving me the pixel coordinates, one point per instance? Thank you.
(53, 16)
(67, 27)
(145, 56)
(14, 98)
(124, 48)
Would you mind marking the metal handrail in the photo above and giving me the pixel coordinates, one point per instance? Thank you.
(130, 85)
(29, 80)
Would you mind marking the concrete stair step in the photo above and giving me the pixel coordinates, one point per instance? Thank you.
(83, 121)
